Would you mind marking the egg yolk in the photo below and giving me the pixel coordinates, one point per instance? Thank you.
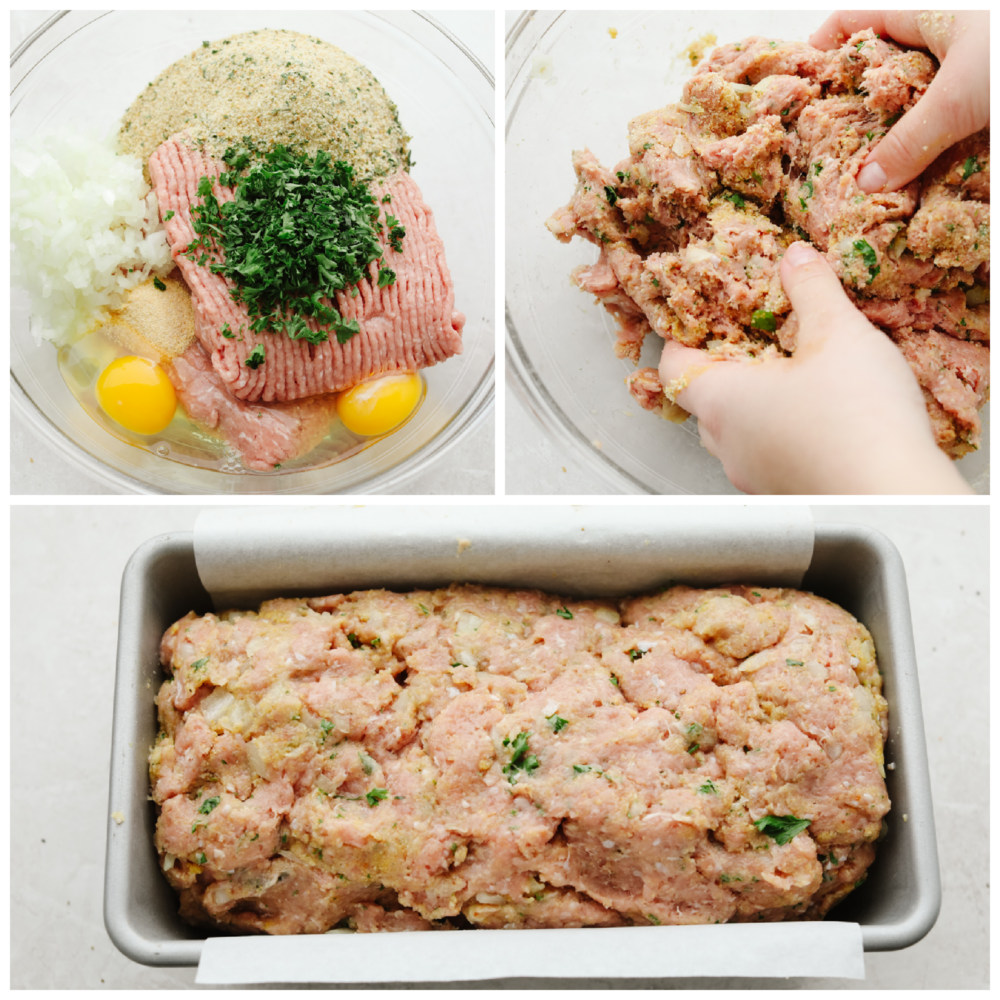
(137, 394)
(376, 406)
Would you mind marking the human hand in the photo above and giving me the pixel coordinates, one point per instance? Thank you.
(844, 414)
(956, 104)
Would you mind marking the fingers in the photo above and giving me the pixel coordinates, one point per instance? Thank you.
(949, 111)
(816, 293)
(899, 25)
(683, 373)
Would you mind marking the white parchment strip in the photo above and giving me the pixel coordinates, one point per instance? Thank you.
(245, 555)
(814, 949)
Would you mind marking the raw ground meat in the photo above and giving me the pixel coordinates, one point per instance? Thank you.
(405, 326)
(764, 148)
(479, 757)
(266, 435)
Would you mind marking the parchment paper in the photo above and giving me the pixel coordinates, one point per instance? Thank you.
(245, 555)
(768, 950)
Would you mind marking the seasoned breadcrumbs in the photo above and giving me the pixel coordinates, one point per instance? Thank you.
(277, 87)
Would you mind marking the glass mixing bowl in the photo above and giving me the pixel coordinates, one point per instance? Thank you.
(82, 69)
(575, 79)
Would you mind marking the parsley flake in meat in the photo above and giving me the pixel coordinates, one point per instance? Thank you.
(781, 828)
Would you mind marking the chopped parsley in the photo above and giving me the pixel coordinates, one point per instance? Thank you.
(208, 805)
(299, 230)
(256, 357)
(781, 829)
(200, 858)
(557, 722)
(736, 199)
(564, 612)
(227, 332)
(198, 664)
(520, 759)
(614, 680)
(818, 167)
(794, 663)
(326, 725)
(730, 878)
(635, 654)
(708, 787)
(582, 768)
(168, 216)
(611, 194)
(869, 257)
(353, 640)
(763, 319)
(647, 145)
(970, 167)
(620, 176)
(376, 795)
(159, 284)
(889, 122)
(654, 919)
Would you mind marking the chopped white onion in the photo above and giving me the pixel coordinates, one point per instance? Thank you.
(466, 622)
(216, 704)
(695, 255)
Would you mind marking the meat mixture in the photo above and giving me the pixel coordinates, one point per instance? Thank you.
(764, 149)
(480, 757)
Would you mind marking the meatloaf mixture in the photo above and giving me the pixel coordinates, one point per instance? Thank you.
(479, 757)
(763, 149)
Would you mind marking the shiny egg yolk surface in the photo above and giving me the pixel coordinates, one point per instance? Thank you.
(380, 404)
(137, 394)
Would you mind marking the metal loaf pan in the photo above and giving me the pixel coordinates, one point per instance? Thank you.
(852, 565)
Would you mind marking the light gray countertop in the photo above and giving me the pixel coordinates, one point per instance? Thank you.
(38, 469)
(67, 563)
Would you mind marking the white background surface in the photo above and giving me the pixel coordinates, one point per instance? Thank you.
(66, 567)
(467, 468)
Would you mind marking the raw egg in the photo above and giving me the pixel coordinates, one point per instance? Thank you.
(376, 406)
(137, 394)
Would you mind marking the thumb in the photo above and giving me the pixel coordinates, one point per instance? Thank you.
(816, 293)
(948, 112)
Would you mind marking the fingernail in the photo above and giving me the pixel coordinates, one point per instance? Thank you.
(800, 253)
(871, 179)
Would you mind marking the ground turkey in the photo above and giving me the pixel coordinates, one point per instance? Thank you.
(478, 757)
(764, 148)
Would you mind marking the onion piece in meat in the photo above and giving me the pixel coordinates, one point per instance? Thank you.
(216, 704)
(466, 622)
(695, 255)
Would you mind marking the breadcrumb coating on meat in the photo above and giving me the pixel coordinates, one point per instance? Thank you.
(764, 148)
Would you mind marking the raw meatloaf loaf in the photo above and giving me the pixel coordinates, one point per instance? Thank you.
(478, 757)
